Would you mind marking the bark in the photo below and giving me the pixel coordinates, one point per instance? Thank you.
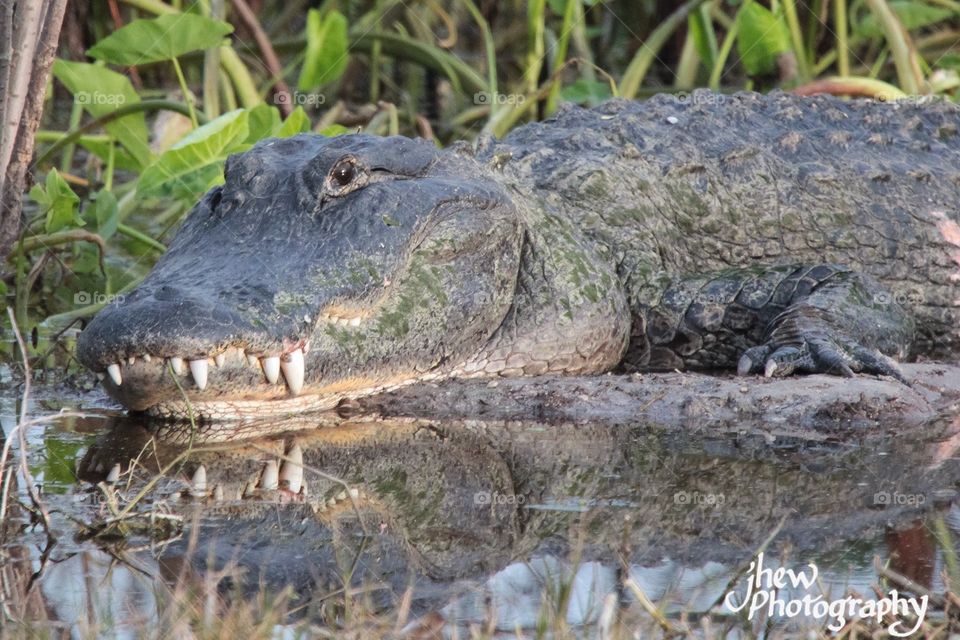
(28, 44)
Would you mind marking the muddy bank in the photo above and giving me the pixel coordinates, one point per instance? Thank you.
(812, 406)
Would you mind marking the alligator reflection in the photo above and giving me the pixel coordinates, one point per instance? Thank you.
(483, 518)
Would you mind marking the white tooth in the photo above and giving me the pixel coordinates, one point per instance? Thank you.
(199, 370)
(101, 376)
(270, 476)
(131, 359)
(355, 322)
(291, 471)
(769, 370)
(252, 360)
(177, 364)
(147, 358)
(114, 371)
(343, 321)
(198, 485)
(271, 368)
(292, 366)
(114, 474)
(220, 358)
(218, 493)
(306, 347)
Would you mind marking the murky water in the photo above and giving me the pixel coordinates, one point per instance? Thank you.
(497, 528)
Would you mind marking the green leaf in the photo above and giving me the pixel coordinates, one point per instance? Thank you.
(122, 159)
(101, 92)
(912, 15)
(161, 38)
(59, 201)
(106, 213)
(763, 36)
(195, 163)
(334, 130)
(262, 121)
(326, 56)
(586, 92)
(296, 122)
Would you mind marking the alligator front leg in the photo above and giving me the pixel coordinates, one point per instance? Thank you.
(777, 320)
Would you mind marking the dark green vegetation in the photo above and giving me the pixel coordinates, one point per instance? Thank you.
(111, 190)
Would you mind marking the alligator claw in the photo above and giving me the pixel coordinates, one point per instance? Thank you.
(817, 356)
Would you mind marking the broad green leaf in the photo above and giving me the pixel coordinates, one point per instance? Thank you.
(296, 122)
(122, 159)
(326, 56)
(193, 165)
(586, 92)
(101, 92)
(912, 15)
(59, 201)
(106, 213)
(262, 121)
(334, 130)
(161, 38)
(763, 36)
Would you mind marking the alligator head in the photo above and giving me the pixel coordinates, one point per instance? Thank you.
(322, 267)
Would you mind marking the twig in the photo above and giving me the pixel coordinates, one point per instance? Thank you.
(21, 436)
(269, 55)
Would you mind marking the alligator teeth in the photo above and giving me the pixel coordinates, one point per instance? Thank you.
(131, 359)
(146, 357)
(355, 322)
(271, 368)
(199, 370)
(219, 359)
(114, 371)
(101, 376)
(306, 347)
(769, 370)
(218, 493)
(291, 471)
(177, 364)
(198, 484)
(292, 366)
(270, 478)
(114, 474)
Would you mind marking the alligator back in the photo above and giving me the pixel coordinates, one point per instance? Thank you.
(691, 185)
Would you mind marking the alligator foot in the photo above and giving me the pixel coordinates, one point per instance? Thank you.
(817, 355)
(806, 339)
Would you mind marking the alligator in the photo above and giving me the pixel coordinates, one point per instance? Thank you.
(762, 234)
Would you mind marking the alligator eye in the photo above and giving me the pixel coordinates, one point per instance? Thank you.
(343, 173)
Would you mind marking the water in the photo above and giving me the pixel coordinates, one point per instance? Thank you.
(493, 527)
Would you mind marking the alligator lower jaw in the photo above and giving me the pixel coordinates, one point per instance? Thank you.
(251, 408)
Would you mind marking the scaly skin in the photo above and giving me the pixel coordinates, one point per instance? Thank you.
(771, 234)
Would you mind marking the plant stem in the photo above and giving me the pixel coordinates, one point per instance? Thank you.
(800, 52)
(187, 96)
(637, 69)
(142, 238)
(901, 48)
(96, 123)
(716, 74)
(840, 26)
(491, 52)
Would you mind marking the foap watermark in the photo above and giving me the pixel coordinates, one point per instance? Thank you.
(695, 498)
(287, 298)
(887, 499)
(902, 298)
(495, 497)
(83, 298)
(700, 98)
(99, 97)
(299, 98)
(485, 97)
(773, 591)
